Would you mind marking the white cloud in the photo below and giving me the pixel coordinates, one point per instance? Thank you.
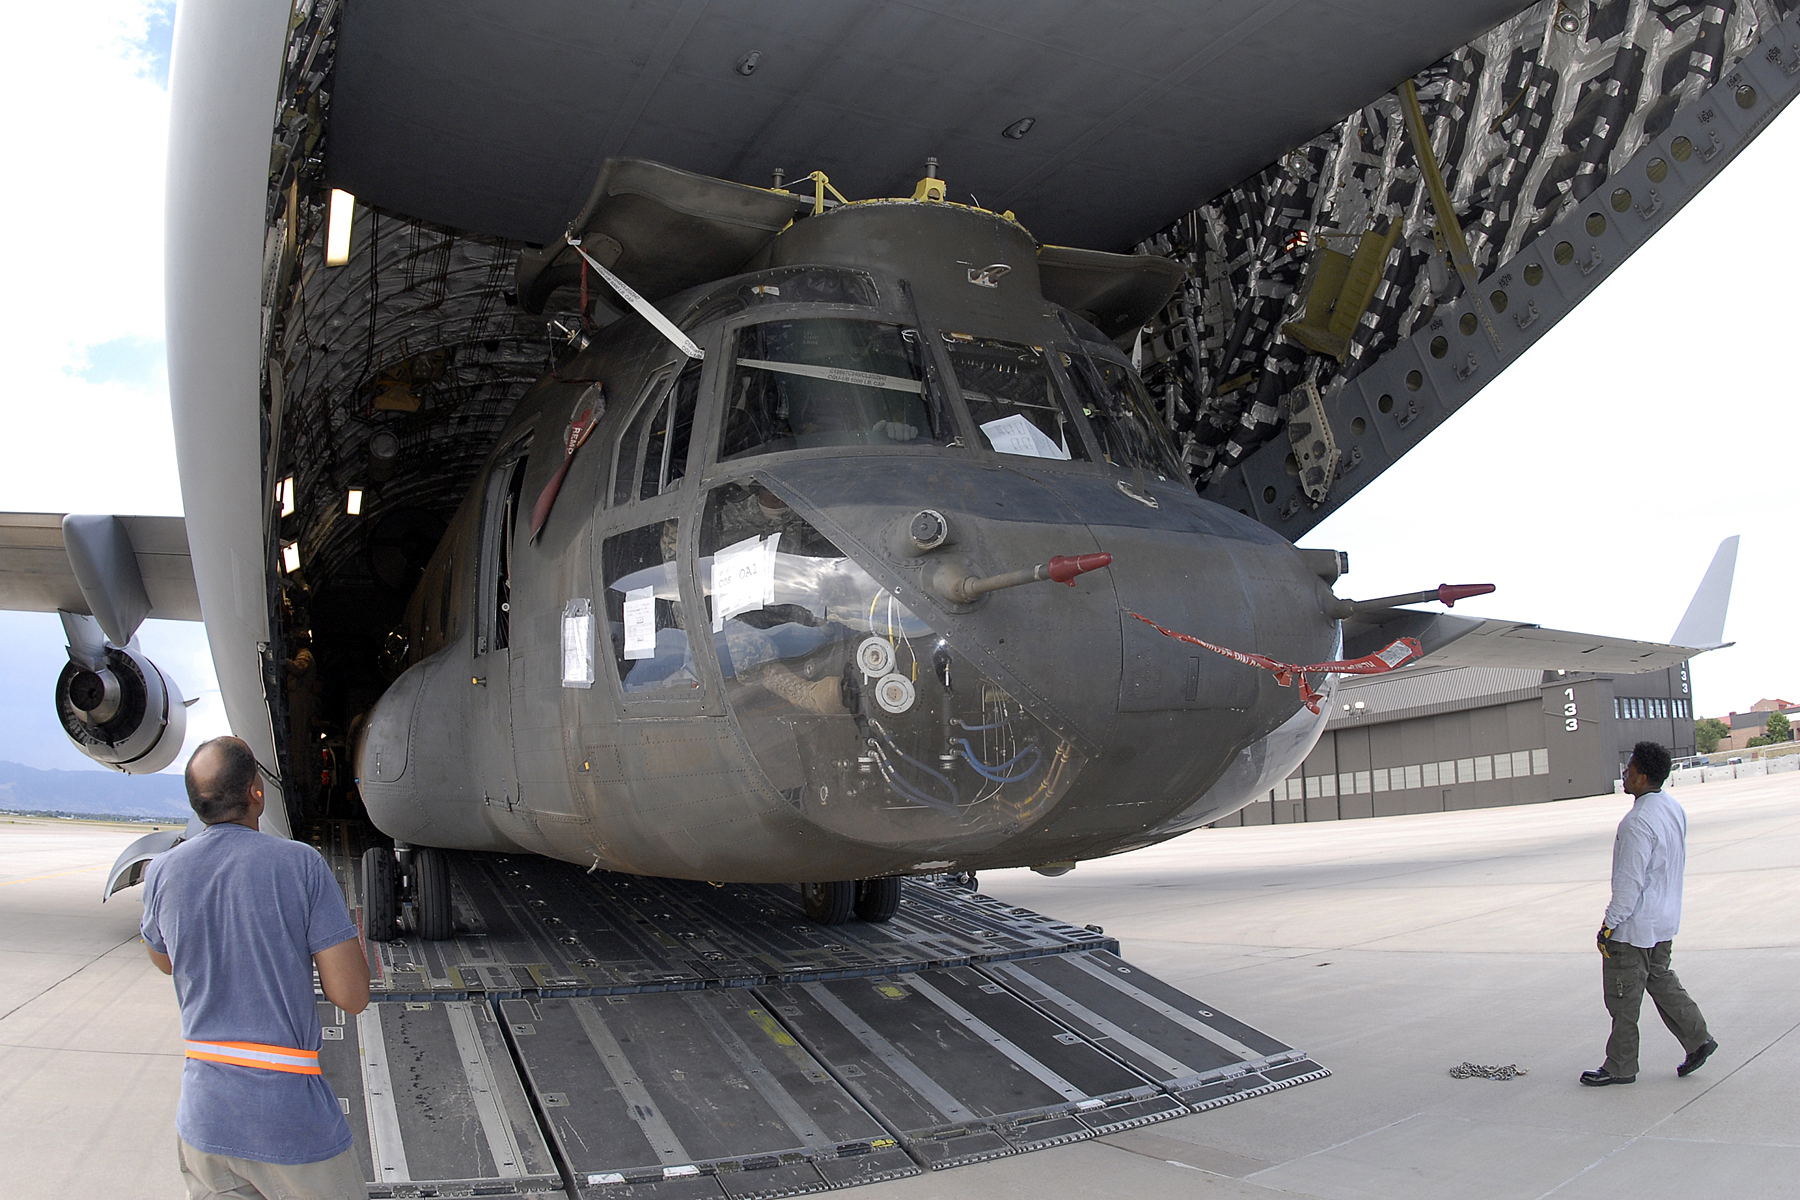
(84, 264)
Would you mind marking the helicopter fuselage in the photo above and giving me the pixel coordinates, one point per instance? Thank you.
(736, 651)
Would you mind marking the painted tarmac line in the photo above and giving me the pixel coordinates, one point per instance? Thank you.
(52, 875)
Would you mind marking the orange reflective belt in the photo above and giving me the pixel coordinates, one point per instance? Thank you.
(254, 1054)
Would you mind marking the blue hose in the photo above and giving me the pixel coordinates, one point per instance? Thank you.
(907, 789)
(995, 773)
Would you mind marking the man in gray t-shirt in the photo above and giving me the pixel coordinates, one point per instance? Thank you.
(240, 920)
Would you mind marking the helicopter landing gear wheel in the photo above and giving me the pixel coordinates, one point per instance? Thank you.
(431, 893)
(380, 905)
(877, 899)
(829, 903)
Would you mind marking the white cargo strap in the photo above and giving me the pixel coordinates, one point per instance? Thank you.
(644, 308)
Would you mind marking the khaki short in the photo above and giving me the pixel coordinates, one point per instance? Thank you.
(220, 1177)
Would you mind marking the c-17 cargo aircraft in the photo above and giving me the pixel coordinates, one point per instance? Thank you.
(563, 477)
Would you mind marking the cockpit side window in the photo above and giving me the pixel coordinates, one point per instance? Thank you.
(1115, 405)
(1013, 397)
(827, 381)
(628, 463)
(671, 429)
(645, 613)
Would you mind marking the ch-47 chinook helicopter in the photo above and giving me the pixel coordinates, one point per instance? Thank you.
(767, 627)
(754, 590)
(761, 578)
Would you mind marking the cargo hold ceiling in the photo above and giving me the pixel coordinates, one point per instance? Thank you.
(493, 118)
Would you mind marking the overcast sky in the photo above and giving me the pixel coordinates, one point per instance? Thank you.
(1591, 482)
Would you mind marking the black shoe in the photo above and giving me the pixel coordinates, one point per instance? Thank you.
(1601, 1078)
(1695, 1060)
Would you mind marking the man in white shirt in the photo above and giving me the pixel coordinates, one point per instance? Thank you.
(1649, 856)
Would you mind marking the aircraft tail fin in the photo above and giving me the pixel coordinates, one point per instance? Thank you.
(1703, 625)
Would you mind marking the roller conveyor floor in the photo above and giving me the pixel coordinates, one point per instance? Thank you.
(595, 1035)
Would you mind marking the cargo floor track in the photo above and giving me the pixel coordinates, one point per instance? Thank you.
(595, 1035)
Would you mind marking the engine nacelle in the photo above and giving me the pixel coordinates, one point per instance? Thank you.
(126, 714)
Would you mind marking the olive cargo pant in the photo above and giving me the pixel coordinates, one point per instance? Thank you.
(217, 1177)
(1627, 973)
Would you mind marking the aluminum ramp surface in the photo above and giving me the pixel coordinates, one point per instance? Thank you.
(433, 1101)
(595, 1035)
(701, 1086)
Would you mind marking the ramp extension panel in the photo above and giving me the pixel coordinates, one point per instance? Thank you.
(586, 1036)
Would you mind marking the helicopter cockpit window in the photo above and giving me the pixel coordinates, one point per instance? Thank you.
(1130, 433)
(671, 426)
(1013, 398)
(827, 381)
(644, 612)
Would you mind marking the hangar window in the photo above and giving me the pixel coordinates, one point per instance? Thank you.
(1115, 405)
(797, 385)
(644, 611)
(1013, 398)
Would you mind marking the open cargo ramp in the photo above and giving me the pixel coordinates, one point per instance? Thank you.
(593, 1035)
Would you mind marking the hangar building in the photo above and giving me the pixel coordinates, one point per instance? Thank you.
(1435, 739)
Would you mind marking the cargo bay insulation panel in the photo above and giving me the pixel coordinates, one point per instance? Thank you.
(595, 1035)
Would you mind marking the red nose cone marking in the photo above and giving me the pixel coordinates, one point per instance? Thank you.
(1450, 593)
(1065, 567)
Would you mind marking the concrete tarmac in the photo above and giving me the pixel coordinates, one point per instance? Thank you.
(1391, 949)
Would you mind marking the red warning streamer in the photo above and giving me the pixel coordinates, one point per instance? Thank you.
(1394, 654)
(580, 426)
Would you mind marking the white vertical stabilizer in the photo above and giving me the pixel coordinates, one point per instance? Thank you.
(1703, 625)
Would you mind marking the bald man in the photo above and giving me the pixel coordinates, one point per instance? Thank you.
(241, 920)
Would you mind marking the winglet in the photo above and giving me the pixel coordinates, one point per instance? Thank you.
(1703, 625)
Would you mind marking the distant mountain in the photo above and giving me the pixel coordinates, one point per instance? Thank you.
(27, 789)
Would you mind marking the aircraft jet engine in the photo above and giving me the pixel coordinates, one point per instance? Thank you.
(118, 708)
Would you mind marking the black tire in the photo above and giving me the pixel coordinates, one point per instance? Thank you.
(431, 893)
(829, 903)
(877, 899)
(380, 908)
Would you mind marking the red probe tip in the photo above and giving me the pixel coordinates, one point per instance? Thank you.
(1450, 593)
(1065, 567)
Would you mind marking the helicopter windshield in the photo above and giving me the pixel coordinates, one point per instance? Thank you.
(827, 381)
(1013, 398)
(1115, 405)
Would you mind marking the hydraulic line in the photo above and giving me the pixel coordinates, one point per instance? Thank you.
(906, 789)
(996, 774)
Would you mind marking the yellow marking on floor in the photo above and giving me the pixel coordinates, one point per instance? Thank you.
(52, 875)
(770, 1026)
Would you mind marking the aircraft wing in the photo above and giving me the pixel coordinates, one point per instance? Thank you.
(37, 575)
(1453, 641)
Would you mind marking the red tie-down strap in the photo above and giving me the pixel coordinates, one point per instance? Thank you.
(581, 424)
(1394, 654)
